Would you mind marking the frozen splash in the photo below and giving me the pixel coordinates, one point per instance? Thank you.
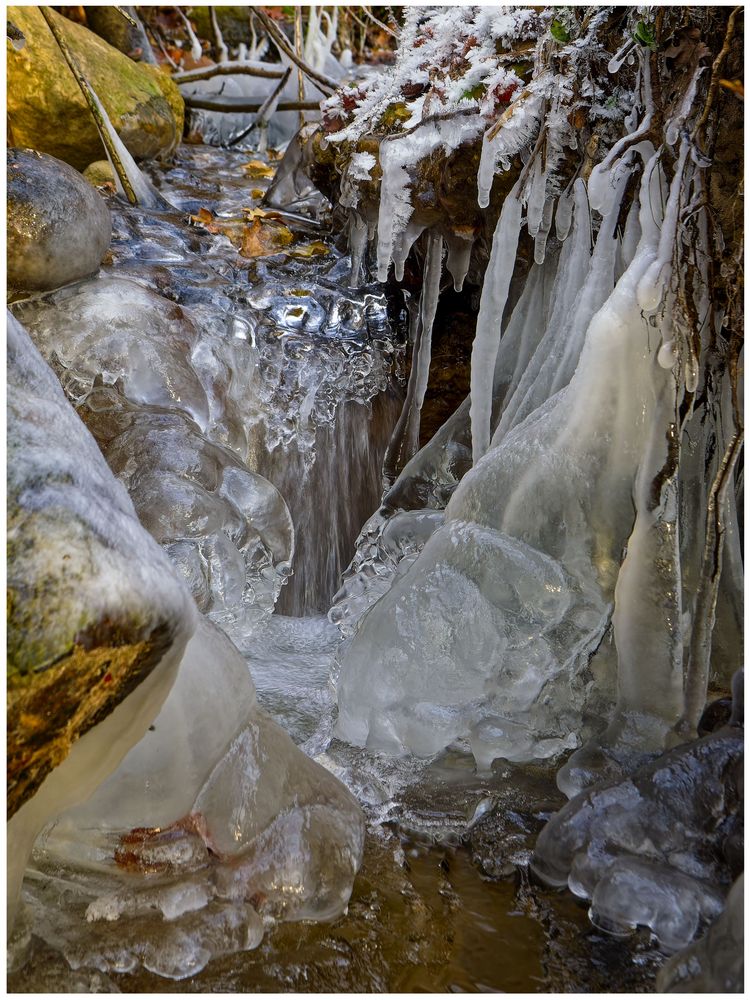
(256, 377)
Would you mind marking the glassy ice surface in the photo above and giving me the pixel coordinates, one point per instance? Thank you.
(213, 825)
(234, 372)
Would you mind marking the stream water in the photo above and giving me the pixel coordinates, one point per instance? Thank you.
(444, 901)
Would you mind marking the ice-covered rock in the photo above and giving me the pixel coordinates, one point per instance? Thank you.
(59, 227)
(658, 848)
(214, 823)
(161, 397)
(97, 617)
(715, 963)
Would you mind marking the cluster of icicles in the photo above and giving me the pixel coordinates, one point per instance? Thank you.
(511, 618)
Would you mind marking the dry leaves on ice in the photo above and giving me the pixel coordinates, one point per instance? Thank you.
(257, 169)
(259, 233)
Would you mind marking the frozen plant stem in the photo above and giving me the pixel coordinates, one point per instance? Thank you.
(696, 675)
(93, 107)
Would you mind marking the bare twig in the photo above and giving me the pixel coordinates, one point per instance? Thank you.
(716, 69)
(233, 105)
(325, 84)
(298, 49)
(131, 21)
(93, 104)
(227, 69)
(380, 24)
(265, 111)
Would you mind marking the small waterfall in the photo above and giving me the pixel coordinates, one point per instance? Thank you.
(346, 476)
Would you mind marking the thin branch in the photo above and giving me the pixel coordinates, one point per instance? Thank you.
(128, 18)
(716, 74)
(234, 105)
(227, 69)
(92, 102)
(298, 49)
(697, 673)
(265, 111)
(324, 83)
(380, 24)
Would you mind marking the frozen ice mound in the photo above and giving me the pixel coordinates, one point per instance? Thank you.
(97, 619)
(656, 849)
(156, 394)
(214, 825)
(715, 962)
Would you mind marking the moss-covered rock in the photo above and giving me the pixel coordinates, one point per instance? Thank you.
(47, 111)
(59, 228)
(93, 603)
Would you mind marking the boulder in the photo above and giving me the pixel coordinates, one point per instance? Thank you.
(59, 228)
(99, 172)
(47, 111)
(97, 619)
(109, 24)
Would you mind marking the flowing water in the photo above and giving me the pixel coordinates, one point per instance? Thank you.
(444, 901)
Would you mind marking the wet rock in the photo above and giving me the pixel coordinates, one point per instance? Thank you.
(109, 24)
(715, 962)
(99, 172)
(59, 228)
(47, 110)
(657, 849)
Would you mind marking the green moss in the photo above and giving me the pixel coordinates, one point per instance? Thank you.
(48, 112)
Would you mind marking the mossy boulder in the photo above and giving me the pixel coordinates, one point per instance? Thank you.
(47, 111)
(59, 227)
(93, 603)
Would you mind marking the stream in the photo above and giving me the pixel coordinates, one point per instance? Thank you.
(444, 901)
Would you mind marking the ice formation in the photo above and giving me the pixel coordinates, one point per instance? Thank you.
(172, 398)
(233, 827)
(114, 571)
(533, 539)
(557, 542)
(657, 849)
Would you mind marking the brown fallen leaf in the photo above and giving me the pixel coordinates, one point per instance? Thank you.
(264, 238)
(256, 169)
(257, 193)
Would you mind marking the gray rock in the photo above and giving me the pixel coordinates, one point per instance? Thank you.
(59, 228)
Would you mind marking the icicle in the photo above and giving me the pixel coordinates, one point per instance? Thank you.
(564, 214)
(514, 130)
(395, 205)
(145, 193)
(651, 286)
(357, 246)
(459, 259)
(489, 321)
(620, 56)
(196, 51)
(540, 240)
(428, 305)
(535, 199)
(221, 49)
(604, 175)
(401, 251)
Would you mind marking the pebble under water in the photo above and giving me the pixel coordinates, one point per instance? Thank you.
(444, 901)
